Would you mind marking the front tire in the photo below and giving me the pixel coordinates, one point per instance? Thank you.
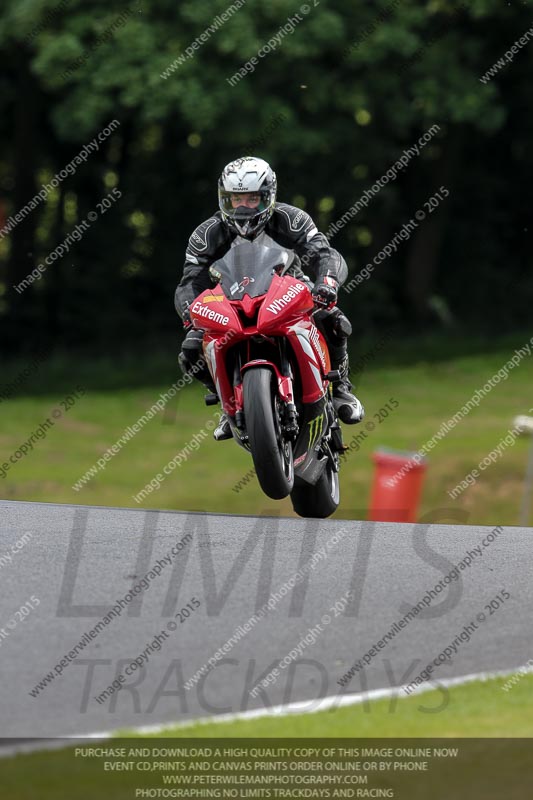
(272, 455)
(318, 501)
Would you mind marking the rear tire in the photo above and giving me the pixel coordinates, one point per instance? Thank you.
(272, 456)
(318, 501)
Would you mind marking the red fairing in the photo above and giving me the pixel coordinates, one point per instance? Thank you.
(312, 355)
(212, 311)
(284, 311)
(286, 299)
(215, 348)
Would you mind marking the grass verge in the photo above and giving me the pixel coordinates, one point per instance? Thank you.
(429, 389)
(480, 710)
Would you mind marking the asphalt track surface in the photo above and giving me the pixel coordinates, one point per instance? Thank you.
(80, 560)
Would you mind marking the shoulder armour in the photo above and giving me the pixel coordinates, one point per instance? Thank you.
(205, 238)
(296, 221)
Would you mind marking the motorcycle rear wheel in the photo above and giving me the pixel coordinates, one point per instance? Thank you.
(272, 455)
(318, 501)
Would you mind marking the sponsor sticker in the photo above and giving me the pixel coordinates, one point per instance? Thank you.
(315, 430)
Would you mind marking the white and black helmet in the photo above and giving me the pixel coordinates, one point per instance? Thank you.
(248, 175)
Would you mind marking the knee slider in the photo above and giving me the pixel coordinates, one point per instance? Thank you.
(191, 350)
(192, 345)
(335, 324)
(342, 325)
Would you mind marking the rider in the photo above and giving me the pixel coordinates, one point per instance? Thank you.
(249, 212)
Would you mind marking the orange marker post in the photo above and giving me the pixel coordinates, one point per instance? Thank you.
(398, 479)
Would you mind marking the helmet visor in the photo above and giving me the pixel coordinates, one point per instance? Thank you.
(243, 205)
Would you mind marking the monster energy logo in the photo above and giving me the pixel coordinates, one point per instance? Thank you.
(315, 430)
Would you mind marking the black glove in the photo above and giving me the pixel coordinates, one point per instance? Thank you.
(324, 292)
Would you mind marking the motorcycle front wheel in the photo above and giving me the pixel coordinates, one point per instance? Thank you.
(271, 453)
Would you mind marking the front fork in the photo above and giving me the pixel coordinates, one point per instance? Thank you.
(288, 414)
(316, 420)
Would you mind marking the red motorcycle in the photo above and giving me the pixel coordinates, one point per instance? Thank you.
(270, 365)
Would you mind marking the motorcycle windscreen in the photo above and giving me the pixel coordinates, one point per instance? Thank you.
(248, 268)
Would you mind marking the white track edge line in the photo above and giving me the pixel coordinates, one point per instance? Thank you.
(298, 707)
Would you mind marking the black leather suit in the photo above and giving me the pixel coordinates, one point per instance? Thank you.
(289, 228)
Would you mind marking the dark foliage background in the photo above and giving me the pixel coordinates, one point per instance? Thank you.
(333, 107)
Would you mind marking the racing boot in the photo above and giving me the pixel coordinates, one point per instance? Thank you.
(223, 429)
(349, 409)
